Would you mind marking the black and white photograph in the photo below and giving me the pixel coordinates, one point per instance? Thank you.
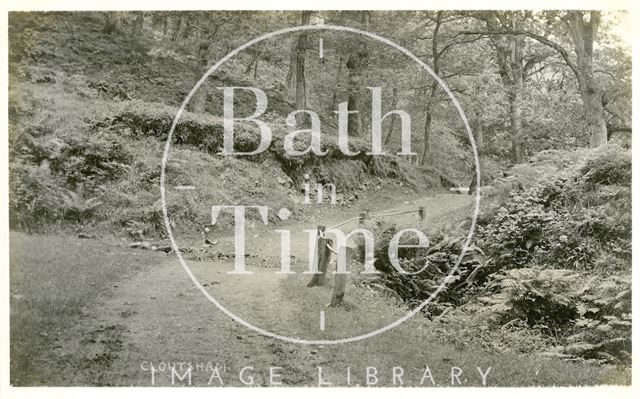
(318, 197)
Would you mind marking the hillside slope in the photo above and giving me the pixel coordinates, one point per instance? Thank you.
(89, 113)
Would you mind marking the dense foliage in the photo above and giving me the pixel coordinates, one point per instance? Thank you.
(555, 256)
(57, 178)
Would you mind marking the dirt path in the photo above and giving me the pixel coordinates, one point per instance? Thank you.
(159, 318)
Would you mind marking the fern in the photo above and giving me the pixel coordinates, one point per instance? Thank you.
(78, 207)
(593, 316)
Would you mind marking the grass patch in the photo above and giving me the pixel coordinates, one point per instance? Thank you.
(53, 279)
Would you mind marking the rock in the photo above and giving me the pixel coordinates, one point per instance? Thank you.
(579, 348)
(140, 245)
(83, 235)
(459, 190)
(280, 180)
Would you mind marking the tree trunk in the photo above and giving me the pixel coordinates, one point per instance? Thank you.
(433, 97)
(334, 98)
(517, 141)
(583, 37)
(301, 86)
(176, 30)
(253, 63)
(594, 114)
(199, 100)
(301, 89)
(510, 58)
(515, 117)
(515, 102)
(292, 67)
(509, 55)
(426, 144)
(139, 23)
(165, 26)
(478, 133)
(591, 94)
(583, 34)
(392, 123)
(354, 66)
(111, 25)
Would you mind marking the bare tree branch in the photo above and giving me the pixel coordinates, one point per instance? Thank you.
(450, 45)
(563, 52)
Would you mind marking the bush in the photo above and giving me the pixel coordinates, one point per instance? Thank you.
(529, 269)
(77, 159)
(206, 132)
(440, 257)
(589, 317)
(33, 197)
(567, 220)
(77, 207)
(612, 168)
(50, 177)
(140, 118)
(579, 219)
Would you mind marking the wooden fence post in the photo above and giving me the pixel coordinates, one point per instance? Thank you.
(341, 280)
(363, 216)
(322, 258)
